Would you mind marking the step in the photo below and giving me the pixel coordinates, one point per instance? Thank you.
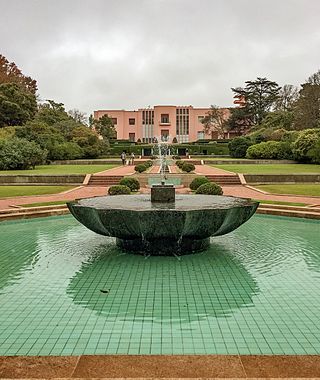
(37, 208)
(293, 213)
(33, 214)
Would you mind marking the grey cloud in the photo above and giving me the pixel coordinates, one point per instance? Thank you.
(129, 54)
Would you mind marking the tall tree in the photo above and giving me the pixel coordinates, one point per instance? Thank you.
(215, 121)
(260, 96)
(17, 105)
(78, 116)
(105, 127)
(307, 110)
(10, 73)
(288, 96)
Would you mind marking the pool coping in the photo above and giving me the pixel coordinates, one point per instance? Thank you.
(160, 366)
(43, 211)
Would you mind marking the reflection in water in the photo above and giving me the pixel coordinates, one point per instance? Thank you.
(129, 287)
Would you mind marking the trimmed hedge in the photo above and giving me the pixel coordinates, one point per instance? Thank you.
(187, 167)
(132, 183)
(179, 163)
(141, 168)
(270, 150)
(209, 188)
(238, 147)
(198, 181)
(119, 190)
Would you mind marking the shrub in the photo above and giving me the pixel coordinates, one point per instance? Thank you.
(305, 142)
(130, 182)
(198, 181)
(119, 190)
(66, 151)
(273, 150)
(209, 188)
(179, 163)
(148, 163)
(238, 147)
(21, 154)
(314, 153)
(140, 168)
(176, 157)
(187, 167)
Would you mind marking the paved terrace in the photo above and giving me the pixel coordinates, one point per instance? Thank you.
(84, 192)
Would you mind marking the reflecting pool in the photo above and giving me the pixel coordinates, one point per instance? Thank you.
(65, 290)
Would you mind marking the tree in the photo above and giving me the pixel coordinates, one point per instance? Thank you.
(278, 120)
(260, 96)
(17, 105)
(307, 110)
(306, 142)
(78, 116)
(238, 147)
(105, 127)
(215, 121)
(288, 95)
(20, 154)
(51, 113)
(10, 73)
(240, 120)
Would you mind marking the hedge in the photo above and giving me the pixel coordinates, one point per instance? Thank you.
(130, 182)
(119, 190)
(209, 188)
(198, 181)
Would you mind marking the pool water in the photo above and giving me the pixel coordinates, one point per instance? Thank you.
(65, 290)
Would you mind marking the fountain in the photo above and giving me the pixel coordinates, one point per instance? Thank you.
(165, 224)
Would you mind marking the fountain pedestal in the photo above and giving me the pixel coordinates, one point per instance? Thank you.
(162, 193)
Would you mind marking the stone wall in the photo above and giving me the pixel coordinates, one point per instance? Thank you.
(282, 178)
(73, 179)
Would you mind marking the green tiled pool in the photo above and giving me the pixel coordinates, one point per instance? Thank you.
(66, 291)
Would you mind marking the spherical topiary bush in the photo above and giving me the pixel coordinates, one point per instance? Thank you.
(119, 190)
(198, 181)
(209, 188)
(187, 167)
(148, 163)
(179, 163)
(140, 168)
(132, 183)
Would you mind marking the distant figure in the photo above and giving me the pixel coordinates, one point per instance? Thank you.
(123, 158)
(132, 158)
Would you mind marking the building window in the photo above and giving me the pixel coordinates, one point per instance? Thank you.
(132, 121)
(200, 135)
(164, 118)
(114, 120)
(200, 118)
(132, 137)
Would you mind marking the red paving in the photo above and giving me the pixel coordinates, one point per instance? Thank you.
(119, 170)
(210, 170)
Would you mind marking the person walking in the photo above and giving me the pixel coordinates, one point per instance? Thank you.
(132, 158)
(123, 158)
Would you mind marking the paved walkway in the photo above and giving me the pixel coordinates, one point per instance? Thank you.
(210, 170)
(91, 191)
(119, 170)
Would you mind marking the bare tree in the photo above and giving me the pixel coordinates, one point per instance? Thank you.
(288, 96)
(78, 116)
(215, 121)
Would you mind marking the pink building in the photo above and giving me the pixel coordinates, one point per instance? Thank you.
(146, 124)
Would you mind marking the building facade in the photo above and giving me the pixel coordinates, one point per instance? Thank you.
(182, 123)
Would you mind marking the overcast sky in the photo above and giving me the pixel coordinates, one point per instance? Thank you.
(122, 54)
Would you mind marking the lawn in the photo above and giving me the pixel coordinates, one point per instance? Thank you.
(61, 169)
(296, 189)
(280, 203)
(17, 191)
(37, 204)
(271, 168)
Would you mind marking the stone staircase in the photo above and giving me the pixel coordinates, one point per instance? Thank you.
(104, 180)
(224, 180)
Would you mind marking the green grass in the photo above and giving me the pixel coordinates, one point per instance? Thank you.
(296, 189)
(54, 203)
(280, 203)
(16, 191)
(61, 169)
(271, 168)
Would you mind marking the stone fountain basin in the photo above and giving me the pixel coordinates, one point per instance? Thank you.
(140, 225)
